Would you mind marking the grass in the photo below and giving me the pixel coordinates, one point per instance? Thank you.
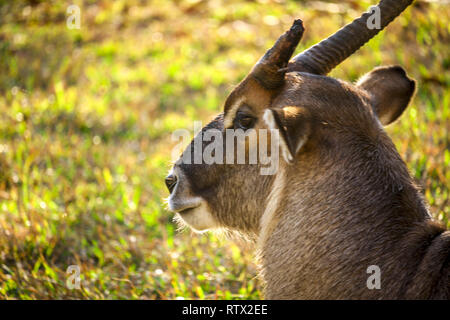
(86, 118)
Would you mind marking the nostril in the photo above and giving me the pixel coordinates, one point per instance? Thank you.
(171, 181)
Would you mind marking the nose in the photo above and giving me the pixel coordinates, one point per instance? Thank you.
(171, 182)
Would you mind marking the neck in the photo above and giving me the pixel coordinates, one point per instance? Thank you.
(318, 240)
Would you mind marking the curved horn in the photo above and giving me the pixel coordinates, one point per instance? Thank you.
(327, 54)
(270, 69)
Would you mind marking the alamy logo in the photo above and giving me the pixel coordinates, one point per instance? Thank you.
(374, 20)
(374, 280)
(74, 17)
(73, 280)
(232, 146)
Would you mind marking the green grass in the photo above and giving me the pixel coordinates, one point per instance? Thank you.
(86, 118)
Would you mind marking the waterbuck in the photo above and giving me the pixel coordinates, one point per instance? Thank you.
(342, 205)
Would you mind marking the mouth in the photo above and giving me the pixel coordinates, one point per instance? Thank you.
(192, 212)
(187, 210)
(184, 205)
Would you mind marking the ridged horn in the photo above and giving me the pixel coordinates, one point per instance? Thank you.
(327, 54)
(270, 69)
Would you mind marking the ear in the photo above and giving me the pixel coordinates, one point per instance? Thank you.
(294, 126)
(390, 91)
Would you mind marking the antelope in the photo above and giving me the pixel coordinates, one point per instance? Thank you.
(342, 200)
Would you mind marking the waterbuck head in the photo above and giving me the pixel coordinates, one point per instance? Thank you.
(320, 126)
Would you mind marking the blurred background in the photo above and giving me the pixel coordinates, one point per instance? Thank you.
(86, 117)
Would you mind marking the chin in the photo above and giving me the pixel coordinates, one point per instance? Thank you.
(198, 219)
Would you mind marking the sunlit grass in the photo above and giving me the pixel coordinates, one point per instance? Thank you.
(86, 118)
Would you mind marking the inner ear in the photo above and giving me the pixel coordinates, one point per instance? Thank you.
(294, 126)
(390, 91)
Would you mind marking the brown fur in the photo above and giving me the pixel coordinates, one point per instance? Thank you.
(346, 201)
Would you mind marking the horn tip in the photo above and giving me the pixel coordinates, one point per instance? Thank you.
(297, 25)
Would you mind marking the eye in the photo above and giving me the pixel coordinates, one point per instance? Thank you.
(243, 121)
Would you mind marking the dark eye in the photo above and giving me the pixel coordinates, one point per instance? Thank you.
(243, 121)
